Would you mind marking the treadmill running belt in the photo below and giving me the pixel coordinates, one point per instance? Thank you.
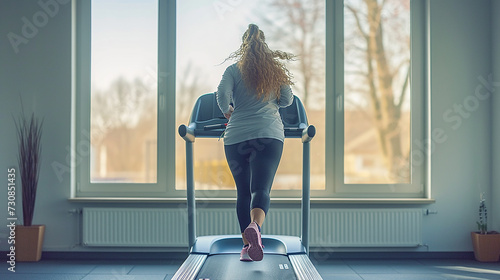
(229, 267)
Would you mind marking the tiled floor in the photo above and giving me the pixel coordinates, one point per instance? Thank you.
(341, 269)
(407, 269)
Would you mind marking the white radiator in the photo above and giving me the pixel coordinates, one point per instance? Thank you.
(154, 227)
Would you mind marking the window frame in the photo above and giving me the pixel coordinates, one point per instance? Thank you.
(81, 52)
(165, 186)
(335, 155)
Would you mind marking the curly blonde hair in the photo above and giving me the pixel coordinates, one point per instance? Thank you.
(260, 67)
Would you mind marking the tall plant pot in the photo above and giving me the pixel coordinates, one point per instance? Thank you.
(29, 241)
(486, 246)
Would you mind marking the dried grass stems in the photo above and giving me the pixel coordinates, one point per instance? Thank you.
(29, 133)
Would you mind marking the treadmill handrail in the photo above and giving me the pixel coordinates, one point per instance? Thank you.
(308, 133)
(187, 133)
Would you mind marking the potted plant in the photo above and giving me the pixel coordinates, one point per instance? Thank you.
(486, 243)
(29, 237)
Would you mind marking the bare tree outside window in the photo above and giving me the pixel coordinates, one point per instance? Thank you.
(298, 26)
(377, 91)
(377, 117)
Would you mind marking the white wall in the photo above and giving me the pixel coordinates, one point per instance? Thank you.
(495, 205)
(460, 56)
(461, 166)
(39, 73)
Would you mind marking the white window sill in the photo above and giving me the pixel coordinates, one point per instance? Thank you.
(274, 200)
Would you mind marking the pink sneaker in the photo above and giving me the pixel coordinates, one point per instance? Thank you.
(255, 249)
(244, 255)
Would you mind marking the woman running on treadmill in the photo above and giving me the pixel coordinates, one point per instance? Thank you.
(250, 94)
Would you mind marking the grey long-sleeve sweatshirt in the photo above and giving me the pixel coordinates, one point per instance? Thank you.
(252, 117)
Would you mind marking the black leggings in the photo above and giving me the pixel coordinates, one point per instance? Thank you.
(253, 164)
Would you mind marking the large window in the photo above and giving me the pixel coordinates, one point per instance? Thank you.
(297, 27)
(141, 65)
(378, 99)
(377, 107)
(123, 114)
(118, 110)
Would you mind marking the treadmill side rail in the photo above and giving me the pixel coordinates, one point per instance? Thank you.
(303, 267)
(190, 268)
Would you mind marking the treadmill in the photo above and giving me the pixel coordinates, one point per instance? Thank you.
(217, 257)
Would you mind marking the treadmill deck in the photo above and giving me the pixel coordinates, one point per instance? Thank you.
(229, 266)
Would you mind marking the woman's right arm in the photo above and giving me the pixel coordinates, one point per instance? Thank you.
(225, 91)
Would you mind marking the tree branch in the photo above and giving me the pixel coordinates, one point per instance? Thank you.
(401, 64)
(358, 21)
(403, 90)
